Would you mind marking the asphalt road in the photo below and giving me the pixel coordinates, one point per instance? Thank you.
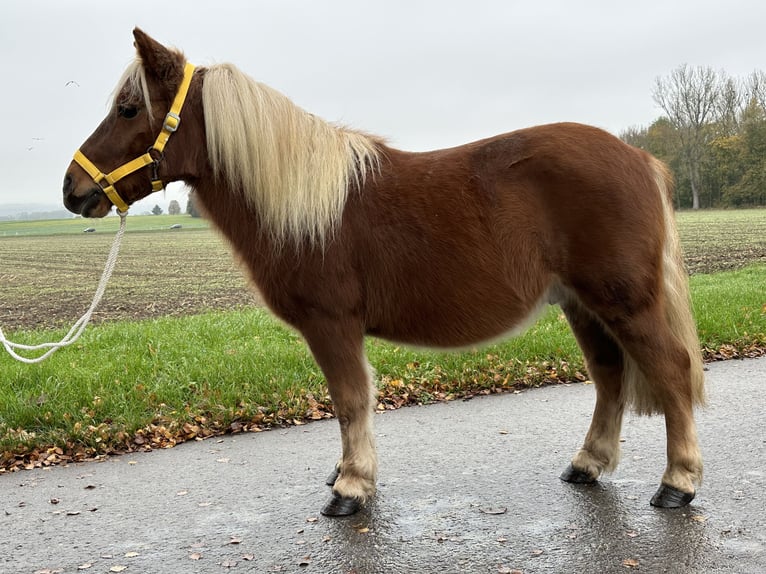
(464, 487)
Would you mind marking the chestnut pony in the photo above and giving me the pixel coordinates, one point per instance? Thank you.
(345, 236)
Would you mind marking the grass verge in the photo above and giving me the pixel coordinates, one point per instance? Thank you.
(140, 385)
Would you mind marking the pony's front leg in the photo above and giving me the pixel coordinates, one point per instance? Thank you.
(340, 354)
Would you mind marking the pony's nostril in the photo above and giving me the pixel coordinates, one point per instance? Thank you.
(67, 184)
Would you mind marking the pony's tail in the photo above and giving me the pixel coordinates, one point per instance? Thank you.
(675, 286)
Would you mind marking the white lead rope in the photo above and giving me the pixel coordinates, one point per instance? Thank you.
(77, 329)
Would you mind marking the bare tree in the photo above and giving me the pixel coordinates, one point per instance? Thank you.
(174, 208)
(692, 99)
(755, 89)
(730, 106)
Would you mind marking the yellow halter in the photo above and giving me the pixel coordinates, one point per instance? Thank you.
(170, 125)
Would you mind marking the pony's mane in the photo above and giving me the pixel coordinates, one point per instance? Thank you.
(294, 168)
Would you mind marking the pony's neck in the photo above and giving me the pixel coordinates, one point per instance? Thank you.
(243, 227)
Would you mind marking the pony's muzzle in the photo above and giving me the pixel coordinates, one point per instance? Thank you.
(84, 197)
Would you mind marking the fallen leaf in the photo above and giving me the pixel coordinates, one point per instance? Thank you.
(84, 566)
(195, 556)
(537, 552)
(131, 554)
(118, 568)
(312, 519)
(364, 530)
(699, 518)
(235, 540)
(248, 557)
(631, 533)
(182, 493)
(72, 512)
(494, 510)
(630, 563)
(502, 539)
(229, 563)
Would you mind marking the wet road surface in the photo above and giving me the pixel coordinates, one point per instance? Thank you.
(464, 487)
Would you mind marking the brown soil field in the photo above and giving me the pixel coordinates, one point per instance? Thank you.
(49, 280)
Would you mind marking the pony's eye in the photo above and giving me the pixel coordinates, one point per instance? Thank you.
(127, 112)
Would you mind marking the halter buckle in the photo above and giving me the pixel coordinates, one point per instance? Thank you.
(171, 122)
(157, 184)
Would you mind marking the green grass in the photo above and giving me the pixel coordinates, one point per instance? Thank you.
(107, 225)
(129, 384)
(730, 307)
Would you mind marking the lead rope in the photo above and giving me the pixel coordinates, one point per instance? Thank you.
(77, 329)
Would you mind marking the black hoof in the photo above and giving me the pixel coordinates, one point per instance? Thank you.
(340, 506)
(571, 474)
(669, 497)
(333, 477)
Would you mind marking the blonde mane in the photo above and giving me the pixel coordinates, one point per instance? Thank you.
(293, 168)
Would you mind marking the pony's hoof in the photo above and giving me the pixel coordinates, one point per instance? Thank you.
(341, 506)
(571, 474)
(669, 497)
(332, 477)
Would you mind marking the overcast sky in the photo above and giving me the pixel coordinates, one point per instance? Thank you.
(424, 74)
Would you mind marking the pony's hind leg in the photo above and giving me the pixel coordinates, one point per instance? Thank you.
(661, 380)
(340, 354)
(600, 451)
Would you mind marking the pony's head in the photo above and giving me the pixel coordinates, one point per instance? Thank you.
(124, 159)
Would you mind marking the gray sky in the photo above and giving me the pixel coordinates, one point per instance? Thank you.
(424, 74)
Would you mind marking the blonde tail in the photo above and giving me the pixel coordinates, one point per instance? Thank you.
(676, 285)
(677, 308)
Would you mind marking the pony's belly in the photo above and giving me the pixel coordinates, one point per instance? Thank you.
(453, 327)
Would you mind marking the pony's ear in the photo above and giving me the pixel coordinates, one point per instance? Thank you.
(164, 64)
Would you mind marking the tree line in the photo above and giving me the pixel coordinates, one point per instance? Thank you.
(712, 134)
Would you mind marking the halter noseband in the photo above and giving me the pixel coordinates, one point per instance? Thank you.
(170, 125)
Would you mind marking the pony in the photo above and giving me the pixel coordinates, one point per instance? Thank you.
(345, 236)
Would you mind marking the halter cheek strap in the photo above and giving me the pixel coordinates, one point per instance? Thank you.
(170, 125)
